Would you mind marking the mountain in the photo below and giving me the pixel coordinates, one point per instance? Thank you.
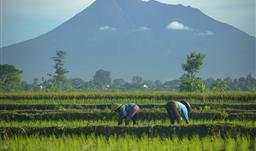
(134, 37)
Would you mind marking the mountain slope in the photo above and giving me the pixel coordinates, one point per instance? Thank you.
(132, 37)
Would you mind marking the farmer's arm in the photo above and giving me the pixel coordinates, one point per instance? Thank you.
(184, 114)
(122, 115)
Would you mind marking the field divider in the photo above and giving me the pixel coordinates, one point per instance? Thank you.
(157, 130)
(108, 106)
(12, 116)
(245, 96)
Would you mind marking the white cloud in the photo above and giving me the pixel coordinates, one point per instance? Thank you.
(239, 13)
(143, 29)
(206, 33)
(175, 25)
(107, 28)
(145, 0)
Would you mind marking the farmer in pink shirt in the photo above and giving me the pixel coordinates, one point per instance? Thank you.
(126, 112)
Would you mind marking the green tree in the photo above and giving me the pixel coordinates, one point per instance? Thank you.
(172, 85)
(158, 85)
(229, 84)
(25, 86)
(36, 84)
(77, 84)
(10, 78)
(118, 84)
(102, 79)
(218, 86)
(194, 63)
(59, 79)
(191, 84)
(90, 85)
(137, 82)
(251, 83)
(1, 85)
(189, 81)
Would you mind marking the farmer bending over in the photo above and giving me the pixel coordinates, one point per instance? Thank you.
(126, 112)
(178, 109)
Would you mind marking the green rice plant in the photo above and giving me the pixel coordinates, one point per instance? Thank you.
(207, 144)
(144, 143)
(242, 143)
(245, 96)
(230, 144)
(81, 123)
(176, 143)
(184, 142)
(112, 143)
(195, 143)
(218, 143)
(168, 143)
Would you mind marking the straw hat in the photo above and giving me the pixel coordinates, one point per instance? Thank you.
(115, 106)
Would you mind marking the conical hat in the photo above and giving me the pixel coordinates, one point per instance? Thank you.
(115, 106)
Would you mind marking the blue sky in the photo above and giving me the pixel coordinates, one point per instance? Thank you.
(25, 19)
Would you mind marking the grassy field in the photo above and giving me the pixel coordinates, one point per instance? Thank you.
(83, 121)
(127, 143)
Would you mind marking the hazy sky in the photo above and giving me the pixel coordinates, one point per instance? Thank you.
(25, 19)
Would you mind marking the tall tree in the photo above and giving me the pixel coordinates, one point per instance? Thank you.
(193, 63)
(10, 78)
(189, 81)
(59, 78)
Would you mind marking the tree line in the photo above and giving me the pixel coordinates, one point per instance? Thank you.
(10, 80)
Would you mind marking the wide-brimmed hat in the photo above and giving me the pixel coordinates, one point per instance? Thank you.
(115, 106)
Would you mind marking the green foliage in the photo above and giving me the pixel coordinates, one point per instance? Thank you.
(189, 81)
(119, 84)
(83, 121)
(10, 79)
(59, 79)
(153, 97)
(218, 86)
(137, 82)
(169, 85)
(60, 71)
(113, 143)
(1, 85)
(153, 129)
(229, 144)
(243, 143)
(102, 79)
(247, 83)
(192, 84)
(193, 63)
(36, 85)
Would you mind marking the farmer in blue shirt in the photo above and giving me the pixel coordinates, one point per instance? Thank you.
(178, 109)
(126, 112)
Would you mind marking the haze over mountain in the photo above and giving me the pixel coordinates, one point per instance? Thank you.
(134, 37)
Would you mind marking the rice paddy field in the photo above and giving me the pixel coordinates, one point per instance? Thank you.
(84, 122)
